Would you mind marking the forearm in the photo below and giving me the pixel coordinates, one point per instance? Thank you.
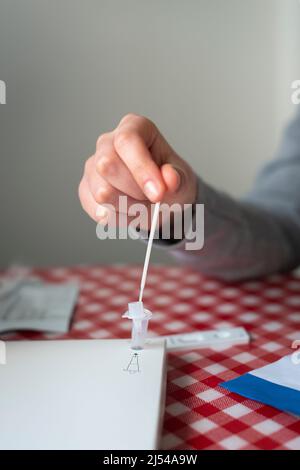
(259, 234)
(242, 239)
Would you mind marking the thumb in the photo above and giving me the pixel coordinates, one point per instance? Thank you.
(171, 177)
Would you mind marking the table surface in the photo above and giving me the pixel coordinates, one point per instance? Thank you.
(199, 413)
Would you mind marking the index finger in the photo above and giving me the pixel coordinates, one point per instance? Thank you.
(132, 142)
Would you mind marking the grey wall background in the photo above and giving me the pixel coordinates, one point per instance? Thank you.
(214, 75)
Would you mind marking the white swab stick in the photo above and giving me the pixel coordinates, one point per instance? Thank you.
(148, 251)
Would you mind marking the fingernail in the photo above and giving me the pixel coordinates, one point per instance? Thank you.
(101, 212)
(151, 190)
(178, 177)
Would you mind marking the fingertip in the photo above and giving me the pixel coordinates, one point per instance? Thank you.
(154, 190)
(171, 177)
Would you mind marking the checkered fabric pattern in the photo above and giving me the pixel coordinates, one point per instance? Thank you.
(199, 414)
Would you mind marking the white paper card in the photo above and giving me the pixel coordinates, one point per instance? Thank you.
(81, 394)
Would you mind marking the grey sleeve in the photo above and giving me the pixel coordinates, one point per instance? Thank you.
(258, 234)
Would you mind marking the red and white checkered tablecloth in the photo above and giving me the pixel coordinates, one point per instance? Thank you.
(199, 414)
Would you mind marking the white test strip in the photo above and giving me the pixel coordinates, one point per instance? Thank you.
(226, 337)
